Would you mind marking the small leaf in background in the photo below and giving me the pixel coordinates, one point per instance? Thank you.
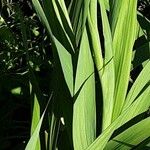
(16, 90)
(1, 21)
(35, 31)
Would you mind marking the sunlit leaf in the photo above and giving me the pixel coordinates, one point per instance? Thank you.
(84, 111)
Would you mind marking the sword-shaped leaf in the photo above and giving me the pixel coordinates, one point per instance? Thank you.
(141, 84)
(124, 33)
(139, 106)
(64, 53)
(132, 136)
(78, 12)
(84, 111)
(32, 144)
(108, 76)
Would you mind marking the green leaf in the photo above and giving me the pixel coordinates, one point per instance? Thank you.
(54, 130)
(143, 145)
(107, 6)
(63, 6)
(2, 21)
(16, 90)
(132, 136)
(65, 21)
(124, 29)
(78, 12)
(108, 76)
(84, 111)
(64, 53)
(35, 120)
(42, 15)
(139, 106)
(36, 97)
(66, 64)
(94, 37)
(35, 136)
(51, 11)
(141, 84)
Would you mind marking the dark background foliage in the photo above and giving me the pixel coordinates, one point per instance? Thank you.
(15, 105)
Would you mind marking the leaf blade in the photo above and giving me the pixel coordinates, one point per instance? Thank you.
(130, 136)
(84, 106)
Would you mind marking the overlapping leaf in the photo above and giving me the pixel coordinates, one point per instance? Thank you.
(130, 137)
(124, 18)
(108, 76)
(139, 106)
(32, 144)
(84, 112)
(140, 85)
(63, 53)
(78, 12)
